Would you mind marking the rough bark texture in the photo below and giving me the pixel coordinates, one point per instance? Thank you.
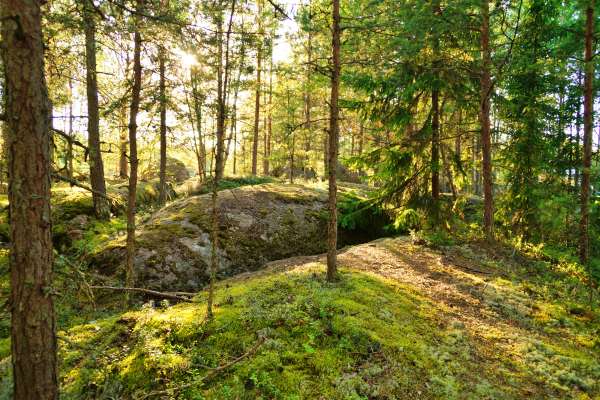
(133, 160)
(69, 155)
(162, 197)
(485, 86)
(123, 131)
(257, 96)
(199, 147)
(435, 123)
(588, 126)
(222, 86)
(334, 133)
(101, 206)
(33, 340)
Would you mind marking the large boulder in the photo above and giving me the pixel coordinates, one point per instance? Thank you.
(257, 224)
(176, 171)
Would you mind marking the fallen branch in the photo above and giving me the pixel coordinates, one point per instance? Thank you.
(212, 373)
(163, 295)
(74, 182)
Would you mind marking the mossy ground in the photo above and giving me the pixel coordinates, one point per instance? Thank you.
(403, 322)
(463, 321)
(362, 337)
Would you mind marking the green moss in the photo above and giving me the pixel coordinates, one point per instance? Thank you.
(70, 205)
(4, 348)
(321, 340)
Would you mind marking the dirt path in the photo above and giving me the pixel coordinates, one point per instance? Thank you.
(473, 293)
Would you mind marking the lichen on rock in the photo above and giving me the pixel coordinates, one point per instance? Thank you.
(257, 224)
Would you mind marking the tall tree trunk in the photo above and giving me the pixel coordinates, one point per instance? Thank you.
(222, 90)
(435, 145)
(162, 197)
(270, 114)
(588, 122)
(435, 123)
(267, 114)
(199, 144)
(334, 135)
(133, 159)
(70, 133)
(123, 142)
(223, 78)
(33, 339)
(234, 113)
(257, 95)
(578, 134)
(307, 94)
(485, 86)
(101, 206)
(448, 171)
(123, 130)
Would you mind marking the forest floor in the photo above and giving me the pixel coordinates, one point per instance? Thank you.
(408, 319)
(404, 322)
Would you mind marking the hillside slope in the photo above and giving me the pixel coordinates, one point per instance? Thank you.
(403, 322)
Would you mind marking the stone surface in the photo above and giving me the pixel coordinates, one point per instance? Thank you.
(258, 224)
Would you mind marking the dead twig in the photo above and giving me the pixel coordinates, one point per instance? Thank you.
(170, 296)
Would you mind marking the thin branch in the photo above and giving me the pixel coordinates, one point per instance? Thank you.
(169, 296)
(74, 182)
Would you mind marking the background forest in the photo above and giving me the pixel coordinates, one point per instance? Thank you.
(191, 141)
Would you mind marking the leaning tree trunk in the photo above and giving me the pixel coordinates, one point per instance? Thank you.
(588, 122)
(101, 206)
(133, 160)
(33, 339)
(162, 197)
(334, 136)
(485, 86)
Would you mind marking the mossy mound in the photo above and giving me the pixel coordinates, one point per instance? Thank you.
(400, 323)
(362, 337)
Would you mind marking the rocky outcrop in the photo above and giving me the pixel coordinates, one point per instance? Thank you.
(176, 171)
(258, 224)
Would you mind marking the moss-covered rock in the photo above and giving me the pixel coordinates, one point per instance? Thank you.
(176, 171)
(257, 224)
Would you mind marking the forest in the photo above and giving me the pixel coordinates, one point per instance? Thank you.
(299, 199)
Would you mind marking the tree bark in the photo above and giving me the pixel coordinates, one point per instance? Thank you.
(133, 159)
(257, 96)
(435, 123)
(162, 196)
(123, 131)
(33, 338)
(101, 207)
(334, 134)
(485, 86)
(69, 151)
(578, 134)
(223, 78)
(588, 122)
(234, 111)
(199, 144)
